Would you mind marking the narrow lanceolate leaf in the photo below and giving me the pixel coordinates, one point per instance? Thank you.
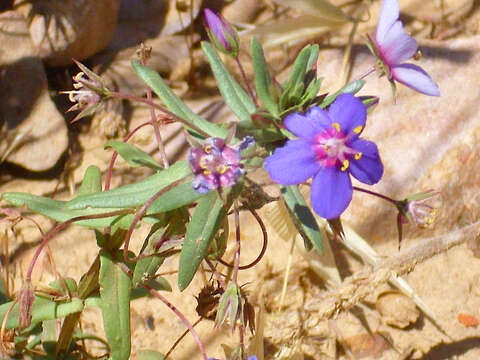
(301, 66)
(133, 155)
(56, 210)
(132, 195)
(351, 88)
(303, 218)
(263, 82)
(115, 288)
(43, 309)
(206, 220)
(145, 268)
(173, 102)
(233, 94)
(128, 196)
(92, 181)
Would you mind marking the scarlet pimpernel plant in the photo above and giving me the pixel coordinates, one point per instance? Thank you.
(291, 130)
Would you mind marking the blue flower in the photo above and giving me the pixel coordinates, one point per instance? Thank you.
(328, 149)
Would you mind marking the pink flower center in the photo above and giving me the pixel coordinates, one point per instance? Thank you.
(332, 148)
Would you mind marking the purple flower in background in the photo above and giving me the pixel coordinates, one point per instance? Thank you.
(221, 33)
(329, 150)
(393, 46)
(216, 164)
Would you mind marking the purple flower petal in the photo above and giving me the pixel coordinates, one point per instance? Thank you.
(397, 45)
(293, 163)
(388, 15)
(194, 157)
(349, 112)
(416, 78)
(331, 192)
(369, 168)
(202, 184)
(307, 125)
(217, 26)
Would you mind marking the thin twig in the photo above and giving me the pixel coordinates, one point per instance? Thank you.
(363, 283)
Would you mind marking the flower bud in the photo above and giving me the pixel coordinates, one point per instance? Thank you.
(221, 33)
(25, 304)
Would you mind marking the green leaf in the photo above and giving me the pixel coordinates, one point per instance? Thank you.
(263, 82)
(132, 195)
(173, 102)
(92, 181)
(128, 196)
(351, 88)
(303, 218)
(206, 220)
(133, 155)
(150, 355)
(115, 294)
(233, 94)
(57, 211)
(145, 268)
(301, 65)
(43, 309)
(159, 284)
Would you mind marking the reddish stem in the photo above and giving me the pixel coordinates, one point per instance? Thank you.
(245, 79)
(60, 227)
(181, 317)
(264, 246)
(141, 213)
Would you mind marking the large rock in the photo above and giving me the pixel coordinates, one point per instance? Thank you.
(62, 30)
(25, 104)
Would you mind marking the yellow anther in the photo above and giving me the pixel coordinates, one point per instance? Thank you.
(207, 148)
(358, 129)
(207, 172)
(221, 169)
(203, 162)
(358, 156)
(336, 126)
(345, 165)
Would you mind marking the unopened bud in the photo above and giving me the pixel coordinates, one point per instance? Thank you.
(25, 304)
(221, 33)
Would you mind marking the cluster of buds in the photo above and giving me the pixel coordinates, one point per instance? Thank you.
(216, 164)
(90, 91)
(221, 33)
